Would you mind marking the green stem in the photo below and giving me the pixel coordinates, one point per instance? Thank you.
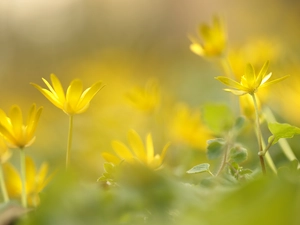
(225, 155)
(3, 187)
(259, 136)
(23, 177)
(69, 141)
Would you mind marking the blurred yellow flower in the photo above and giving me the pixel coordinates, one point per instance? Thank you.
(36, 180)
(186, 127)
(146, 99)
(250, 81)
(5, 153)
(75, 100)
(214, 40)
(138, 153)
(17, 134)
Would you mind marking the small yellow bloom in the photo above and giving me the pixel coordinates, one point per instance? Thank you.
(145, 99)
(75, 100)
(5, 153)
(186, 127)
(250, 81)
(139, 152)
(17, 134)
(36, 180)
(214, 40)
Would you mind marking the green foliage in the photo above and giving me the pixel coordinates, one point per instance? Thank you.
(201, 168)
(281, 130)
(219, 118)
(238, 154)
(214, 148)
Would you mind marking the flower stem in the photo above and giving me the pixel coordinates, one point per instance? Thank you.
(3, 187)
(225, 155)
(69, 141)
(259, 136)
(23, 177)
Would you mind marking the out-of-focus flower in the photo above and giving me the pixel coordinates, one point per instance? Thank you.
(75, 100)
(186, 127)
(17, 134)
(146, 99)
(5, 153)
(36, 180)
(250, 81)
(138, 153)
(214, 40)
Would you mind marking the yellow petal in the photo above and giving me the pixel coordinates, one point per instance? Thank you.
(73, 95)
(41, 178)
(32, 122)
(122, 151)
(164, 151)
(137, 145)
(197, 49)
(262, 78)
(9, 136)
(50, 96)
(17, 122)
(111, 158)
(266, 78)
(236, 92)
(231, 83)
(30, 176)
(88, 94)
(12, 180)
(274, 81)
(149, 147)
(250, 75)
(57, 88)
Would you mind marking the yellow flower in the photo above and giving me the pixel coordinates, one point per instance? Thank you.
(145, 99)
(17, 134)
(250, 81)
(36, 180)
(186, 127)
(75, 100)
(5, 153)
(214, 40)
(139, 152)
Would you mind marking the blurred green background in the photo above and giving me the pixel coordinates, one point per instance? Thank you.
(124, 43)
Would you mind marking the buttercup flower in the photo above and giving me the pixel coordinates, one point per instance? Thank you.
(36, 180)
(17, 134)
(139, 152)
(250, 81)
(145, 99)
(186, 127)
(75, 100)
(214, 40)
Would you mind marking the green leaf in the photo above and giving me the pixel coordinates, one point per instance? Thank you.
(201, 168)
(238, 154)
(218, 117)
(281, 130)
(214, 148)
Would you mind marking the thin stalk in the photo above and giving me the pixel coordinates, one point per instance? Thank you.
(259, 136)
(69, 141)
(225, 155)
(3, 187)
(23, 177)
